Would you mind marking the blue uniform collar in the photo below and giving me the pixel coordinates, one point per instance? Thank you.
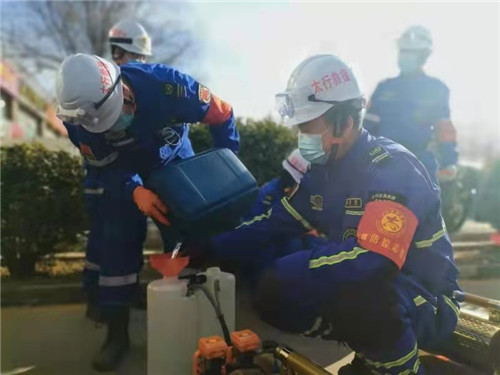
(357, 150)
(412, 76)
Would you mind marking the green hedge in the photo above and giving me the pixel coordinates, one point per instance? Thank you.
(264, 145)
(42, 204)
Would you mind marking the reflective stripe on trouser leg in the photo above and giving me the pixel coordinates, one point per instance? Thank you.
(401, 359)
(118, 290)
(120, 256)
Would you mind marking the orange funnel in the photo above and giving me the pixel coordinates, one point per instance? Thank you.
(167, 266)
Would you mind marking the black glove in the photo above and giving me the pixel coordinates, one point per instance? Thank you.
(198, 251)
(365, 314)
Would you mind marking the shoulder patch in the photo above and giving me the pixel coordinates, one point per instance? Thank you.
(176, 90)
(386, 196)
(376, 150)
(169, 89)
(353, 203)
(204, 94)
(379, 154)
(349, 232)
(316, 202)
(384, 157)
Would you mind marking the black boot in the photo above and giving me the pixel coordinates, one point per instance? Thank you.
(117, 341)
(356, 367)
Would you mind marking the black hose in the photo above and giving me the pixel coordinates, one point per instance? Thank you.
(218, 311)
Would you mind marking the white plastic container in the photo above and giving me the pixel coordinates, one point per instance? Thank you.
(176, 321)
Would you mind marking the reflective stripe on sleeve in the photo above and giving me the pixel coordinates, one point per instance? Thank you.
(256, 218)
(337, 258)
(428, 243)
(295, 214)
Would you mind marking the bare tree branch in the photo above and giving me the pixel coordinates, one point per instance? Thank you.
(38, 35)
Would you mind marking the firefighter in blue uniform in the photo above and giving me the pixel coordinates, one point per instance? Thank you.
(129, 42)
(126, 122)
(384, 281)
(413, 108)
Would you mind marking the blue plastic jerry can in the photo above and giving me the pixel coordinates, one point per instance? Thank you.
(205, 194)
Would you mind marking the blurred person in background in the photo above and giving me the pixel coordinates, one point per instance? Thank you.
(413, 108)
(129, 42)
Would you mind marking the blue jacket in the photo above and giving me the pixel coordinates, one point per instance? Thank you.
(379, 210)
(406, 109)
(167, 100)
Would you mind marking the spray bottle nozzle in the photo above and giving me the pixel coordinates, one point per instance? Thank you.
(194, 279)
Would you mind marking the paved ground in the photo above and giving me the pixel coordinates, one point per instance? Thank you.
(57, 340)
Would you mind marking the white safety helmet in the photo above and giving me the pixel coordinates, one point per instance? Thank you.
(130, 36)
(416, 38)
(89, 92)
(315, 86)
(296, 165)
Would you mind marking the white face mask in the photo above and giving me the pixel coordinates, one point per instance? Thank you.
(311, 148)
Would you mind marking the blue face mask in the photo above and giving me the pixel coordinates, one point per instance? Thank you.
(123, 122)
(311, 148)
(410, 62)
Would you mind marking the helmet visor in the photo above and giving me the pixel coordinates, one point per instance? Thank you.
(284, 105)
(85, 115)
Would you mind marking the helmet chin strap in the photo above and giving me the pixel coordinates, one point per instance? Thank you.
(337, 133)
(332, 154)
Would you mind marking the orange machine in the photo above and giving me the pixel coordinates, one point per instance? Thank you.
(215, 357)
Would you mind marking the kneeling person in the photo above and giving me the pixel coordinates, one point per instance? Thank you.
(383, 282)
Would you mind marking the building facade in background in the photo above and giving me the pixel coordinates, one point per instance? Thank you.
(26, 114)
